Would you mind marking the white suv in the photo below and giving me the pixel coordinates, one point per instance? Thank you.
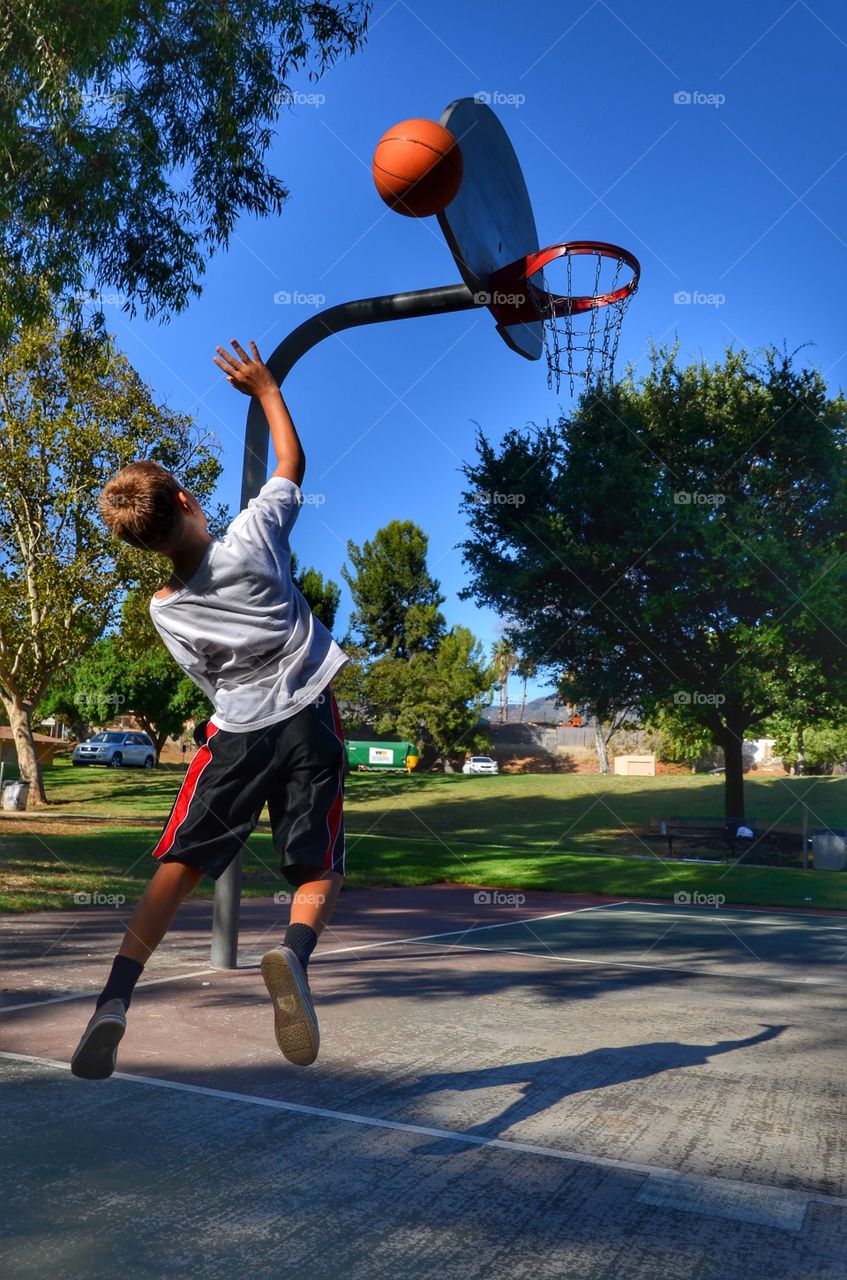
(480, 764)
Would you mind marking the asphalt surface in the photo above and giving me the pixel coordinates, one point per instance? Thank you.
(560, 1087)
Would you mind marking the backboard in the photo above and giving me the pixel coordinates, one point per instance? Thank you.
(490, 222)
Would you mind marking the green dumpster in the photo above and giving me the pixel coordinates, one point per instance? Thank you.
(379, 755)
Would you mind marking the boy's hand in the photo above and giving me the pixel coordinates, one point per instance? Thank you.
(249, 374)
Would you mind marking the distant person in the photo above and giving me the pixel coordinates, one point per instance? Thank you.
(234, 621)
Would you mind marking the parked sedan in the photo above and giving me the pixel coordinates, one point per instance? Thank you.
(117, 749)
(480, 764)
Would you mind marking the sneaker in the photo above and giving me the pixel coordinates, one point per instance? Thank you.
(97, 1050)
(295, 1023)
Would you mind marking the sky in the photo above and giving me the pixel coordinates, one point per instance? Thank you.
(708, 139)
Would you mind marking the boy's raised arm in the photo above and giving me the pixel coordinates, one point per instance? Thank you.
(250, 375)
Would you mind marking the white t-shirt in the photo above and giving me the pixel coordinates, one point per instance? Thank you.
(240, 628)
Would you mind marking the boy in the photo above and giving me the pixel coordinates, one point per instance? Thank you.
(234, 621)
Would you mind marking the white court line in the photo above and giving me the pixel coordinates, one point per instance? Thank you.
(719, 915)
(652, 968)
(451, 1135)
(89, 995)
(479, 928)
(366, 946)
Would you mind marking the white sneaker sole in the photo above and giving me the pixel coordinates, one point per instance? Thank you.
(295, 1024)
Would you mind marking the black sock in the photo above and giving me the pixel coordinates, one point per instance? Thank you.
(125, 973)
(302, 940)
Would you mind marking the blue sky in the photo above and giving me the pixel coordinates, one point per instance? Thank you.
(737, 197)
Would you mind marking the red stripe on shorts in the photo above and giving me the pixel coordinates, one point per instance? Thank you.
(186, 794)
(333, 820)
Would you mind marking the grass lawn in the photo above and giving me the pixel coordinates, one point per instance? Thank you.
(529, 831)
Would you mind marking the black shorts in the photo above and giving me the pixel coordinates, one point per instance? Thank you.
(295, 766)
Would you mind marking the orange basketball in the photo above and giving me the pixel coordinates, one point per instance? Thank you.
(417, 167)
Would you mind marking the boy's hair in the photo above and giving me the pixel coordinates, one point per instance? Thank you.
(139, 506)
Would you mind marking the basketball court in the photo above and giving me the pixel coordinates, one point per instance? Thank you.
(565, 1086)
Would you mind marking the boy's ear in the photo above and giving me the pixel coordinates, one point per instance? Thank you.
(184, 500)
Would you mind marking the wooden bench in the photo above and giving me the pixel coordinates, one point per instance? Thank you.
(769, 843)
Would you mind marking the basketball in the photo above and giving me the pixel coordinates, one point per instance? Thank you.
(417, 168)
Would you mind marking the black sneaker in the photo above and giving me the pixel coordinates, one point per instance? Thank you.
(97, 1050)
(295, 1023)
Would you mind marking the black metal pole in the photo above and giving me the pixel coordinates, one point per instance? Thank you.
(347, 315)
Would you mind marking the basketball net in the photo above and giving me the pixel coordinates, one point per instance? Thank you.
(582, 325)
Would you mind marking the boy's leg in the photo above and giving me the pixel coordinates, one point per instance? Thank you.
(311, 911)
(94, 1058)
(157, 908)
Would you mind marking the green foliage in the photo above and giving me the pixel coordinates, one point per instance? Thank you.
(810, 748)
(683, 534)
(112, 681)
(322, 596)
(682, 739)
(434, 699)
(408, 675)
(396, 600)
(73, 413)
(132, 137)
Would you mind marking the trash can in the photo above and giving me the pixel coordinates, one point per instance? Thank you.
(829, 850)
(15, 795)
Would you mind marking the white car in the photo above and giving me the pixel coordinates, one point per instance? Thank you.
(480, 764)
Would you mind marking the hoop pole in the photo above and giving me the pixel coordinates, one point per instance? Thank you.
(347, 315)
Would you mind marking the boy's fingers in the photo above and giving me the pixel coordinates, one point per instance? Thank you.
(241, 351)
(225, 355)
(255, 350)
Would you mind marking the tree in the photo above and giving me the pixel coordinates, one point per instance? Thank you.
(455, 684)
(73, 412)
(526, 669)
(410, 676)
(810, 747)
(111, 681)
(620, 719)
(503, 657)
(130, 145)
(396, 600)
(433, 699)
(683, 739)
(322, 597)
(683, 542)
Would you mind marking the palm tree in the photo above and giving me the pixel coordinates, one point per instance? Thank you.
(503, 656)
(527, 669)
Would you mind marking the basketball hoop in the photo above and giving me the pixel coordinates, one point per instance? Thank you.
(582, 325)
